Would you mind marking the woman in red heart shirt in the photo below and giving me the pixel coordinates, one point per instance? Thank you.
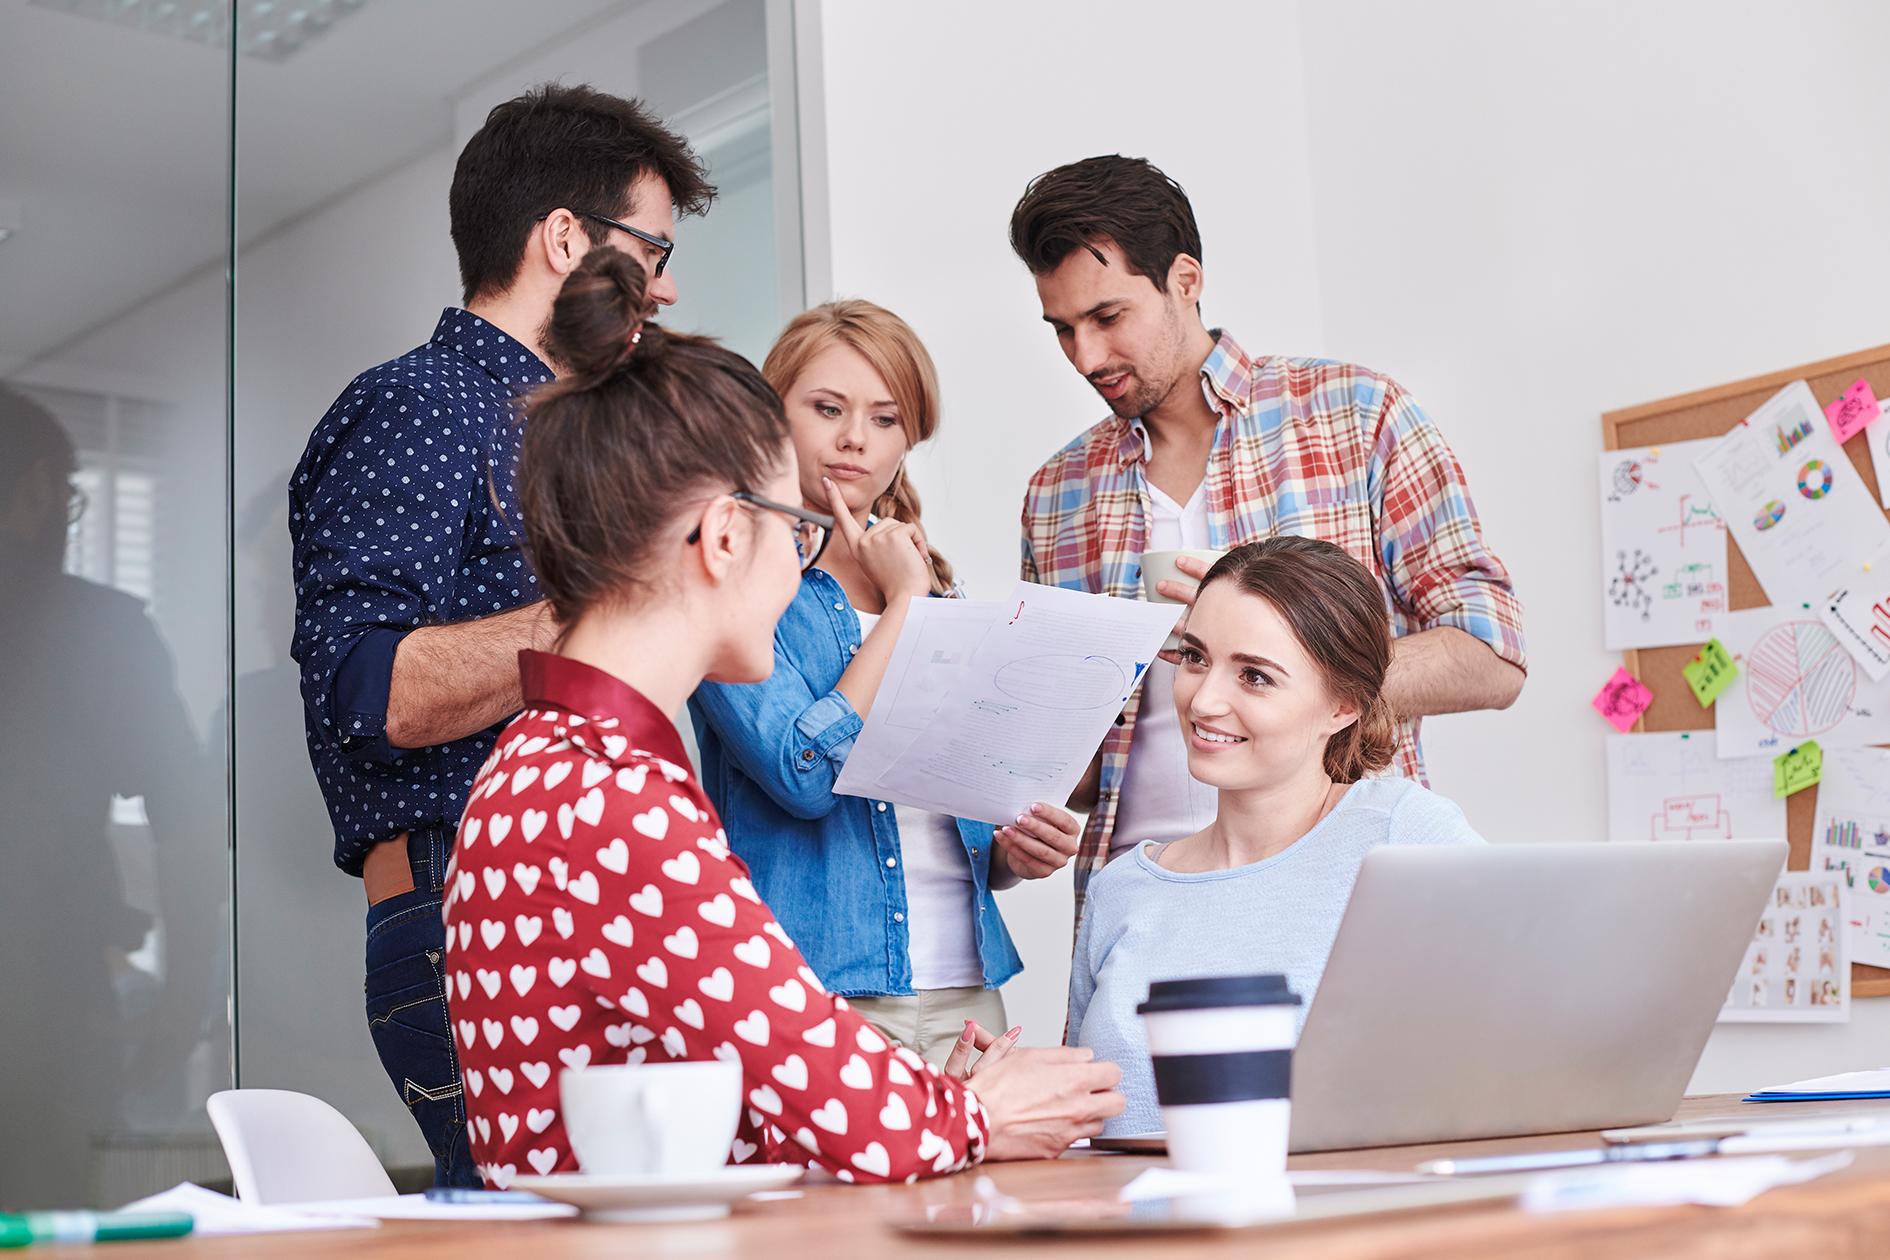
(594, 913)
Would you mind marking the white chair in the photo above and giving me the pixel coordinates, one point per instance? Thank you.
(285, 1147)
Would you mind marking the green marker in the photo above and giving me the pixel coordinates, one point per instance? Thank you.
(85, 1227)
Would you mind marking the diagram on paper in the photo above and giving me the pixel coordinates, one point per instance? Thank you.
(1663, 547)
(1701, 817)
(1632, 588)
(1065, 682)
(1796, 683)
(1799, 682)
(1851, 839)
(1672, 785)
(1858, 614)
(1014, 710)
(1792, 499)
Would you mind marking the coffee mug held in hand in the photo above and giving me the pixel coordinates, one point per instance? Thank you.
(1222, 1051)
(651, 1119)
(1159, 567)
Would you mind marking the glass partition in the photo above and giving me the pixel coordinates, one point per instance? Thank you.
(213, 215)
(345, 150)
(114, 643)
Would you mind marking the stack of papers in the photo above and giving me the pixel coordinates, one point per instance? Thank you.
(988, 706)
(1872, 1084)
(220, 1214)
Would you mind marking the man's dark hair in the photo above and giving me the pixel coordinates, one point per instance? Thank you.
(559, 147)
(1124, 200)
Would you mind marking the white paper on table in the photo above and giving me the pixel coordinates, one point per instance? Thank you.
(1875, 1080)
(1858, 615)
(935, 646)
(1877, 434)
(215, 1213)
(1672, 785)
(1713, 1182)
(1796, 969)
(1663, 547)
(417, 1207)
(1792, 499)
(1032, 706)
(1796, 682)
(1851, 837)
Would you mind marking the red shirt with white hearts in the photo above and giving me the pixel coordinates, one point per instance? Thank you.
(594, 914)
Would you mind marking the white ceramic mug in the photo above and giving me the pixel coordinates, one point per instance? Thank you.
(651, 1119)
(1159, 566)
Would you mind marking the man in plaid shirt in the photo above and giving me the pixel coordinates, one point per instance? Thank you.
(1209, 448)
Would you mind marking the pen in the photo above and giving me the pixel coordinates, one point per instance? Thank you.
(85, 1227)
(1646, 1151)
(1735, 1144)
(458, 1194)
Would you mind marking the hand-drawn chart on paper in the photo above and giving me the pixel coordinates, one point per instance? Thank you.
(987, 706)
(1792, 499)
(1851, 838)
(1663, 547)
(1796, 683)
(1671, 785)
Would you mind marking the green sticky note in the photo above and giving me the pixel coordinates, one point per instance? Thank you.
(1710, 673)
(1797, 770)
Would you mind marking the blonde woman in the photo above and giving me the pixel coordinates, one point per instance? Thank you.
(892, 905)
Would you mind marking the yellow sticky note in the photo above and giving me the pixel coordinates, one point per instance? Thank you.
(1710, 673)
(1797, 770)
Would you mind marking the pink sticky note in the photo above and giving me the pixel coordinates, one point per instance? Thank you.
(1851, 412)
(1622, 700)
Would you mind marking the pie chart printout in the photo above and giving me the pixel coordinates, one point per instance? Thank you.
(1799, 680)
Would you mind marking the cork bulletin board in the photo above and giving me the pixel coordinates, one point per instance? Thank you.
(1710, 413)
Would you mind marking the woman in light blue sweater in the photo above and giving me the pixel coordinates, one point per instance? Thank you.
(1279, 684)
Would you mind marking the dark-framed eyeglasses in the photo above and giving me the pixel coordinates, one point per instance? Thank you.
(810, 528)
(664, 248)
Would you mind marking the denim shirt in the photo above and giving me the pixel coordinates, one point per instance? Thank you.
(771, 752)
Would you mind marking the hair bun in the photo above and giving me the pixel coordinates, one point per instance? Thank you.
(598, 320)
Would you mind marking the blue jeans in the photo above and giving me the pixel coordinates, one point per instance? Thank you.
(406, 1008)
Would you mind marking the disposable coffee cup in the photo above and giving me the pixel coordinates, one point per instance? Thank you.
(651, 1119)
(1222, 1051)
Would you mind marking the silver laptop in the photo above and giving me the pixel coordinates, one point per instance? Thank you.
(1492, 990)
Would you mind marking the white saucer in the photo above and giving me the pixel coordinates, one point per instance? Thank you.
(660, 1196)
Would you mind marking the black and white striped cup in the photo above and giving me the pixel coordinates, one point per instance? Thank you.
(1222, 1050)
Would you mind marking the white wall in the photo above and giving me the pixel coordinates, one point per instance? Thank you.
(1529, 214)
(927, 152)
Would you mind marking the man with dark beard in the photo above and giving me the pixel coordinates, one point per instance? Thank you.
(413, 597)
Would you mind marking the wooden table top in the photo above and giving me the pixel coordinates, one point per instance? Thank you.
(1844, 1214)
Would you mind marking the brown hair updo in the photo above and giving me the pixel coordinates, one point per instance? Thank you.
(895, 352)
(1337, 613)
(645, 421)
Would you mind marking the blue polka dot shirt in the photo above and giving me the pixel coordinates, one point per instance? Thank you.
(394, 526)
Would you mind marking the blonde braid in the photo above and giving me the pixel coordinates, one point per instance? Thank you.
(901, 503)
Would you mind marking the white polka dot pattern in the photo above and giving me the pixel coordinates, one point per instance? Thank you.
(394, 525)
